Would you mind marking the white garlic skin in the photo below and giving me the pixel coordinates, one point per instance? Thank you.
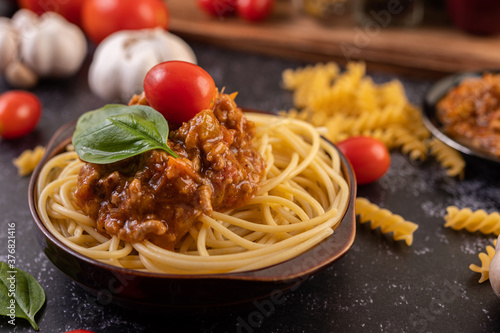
(50, 45)
(495, 269)
(9, 43)
(122, 60)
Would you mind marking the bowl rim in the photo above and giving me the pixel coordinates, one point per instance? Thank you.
(437, 91)
(347, 222)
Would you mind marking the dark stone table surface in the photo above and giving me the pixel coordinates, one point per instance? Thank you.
(379, 286)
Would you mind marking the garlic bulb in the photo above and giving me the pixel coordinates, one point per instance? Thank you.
(9, 43)
(50, 45)
(494, 272)
(122, 60)
(24, 19)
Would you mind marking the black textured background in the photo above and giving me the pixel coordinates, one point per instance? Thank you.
(379, 286)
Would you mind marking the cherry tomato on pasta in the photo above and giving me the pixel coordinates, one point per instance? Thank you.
(218, 8)
(369, 157)
(179, 90)
(19, 113)
(254, 10)
(100, 18)
(69, 9)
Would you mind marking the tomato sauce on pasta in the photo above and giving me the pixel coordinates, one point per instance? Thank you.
(156, 197)
(472, 110)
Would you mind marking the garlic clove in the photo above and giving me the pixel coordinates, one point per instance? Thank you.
(24, 19)
(18, 75)
(70, 47)
(9, 43)
(494, 270)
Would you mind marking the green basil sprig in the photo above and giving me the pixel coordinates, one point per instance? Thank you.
(21, 295)
(116, 132)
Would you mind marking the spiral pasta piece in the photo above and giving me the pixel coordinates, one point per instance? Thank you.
(368, 98)
(472, 221)
(485, 258)
(449, 158)
(318, 76)
(28, 160)
(414, 122)
(410, 144)
(369, 120)
(386, 220)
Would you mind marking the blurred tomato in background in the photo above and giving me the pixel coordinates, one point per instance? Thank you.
(218, 8)
(476, 16)
(69, 9)
(100, 18)
(254, 10)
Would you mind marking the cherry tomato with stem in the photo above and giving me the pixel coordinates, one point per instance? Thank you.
(218, 8)
(254, 10)
(20, 112)
(179, 90)
(101, 18)
(369, 157)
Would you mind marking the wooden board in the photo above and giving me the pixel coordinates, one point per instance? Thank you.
(421, 51)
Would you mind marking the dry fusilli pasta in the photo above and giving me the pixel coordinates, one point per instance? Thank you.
(472, 221)
(410, 144)
(350, 104)
(386, 220)
(318, 76)
(449, 158)
(28, 160)
(485, 258)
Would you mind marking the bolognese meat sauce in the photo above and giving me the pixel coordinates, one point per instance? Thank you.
(156, 197)
(472, 110)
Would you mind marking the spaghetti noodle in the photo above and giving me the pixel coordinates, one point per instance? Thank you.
(302, 198)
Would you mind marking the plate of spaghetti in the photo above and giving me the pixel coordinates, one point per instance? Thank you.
(243, 205)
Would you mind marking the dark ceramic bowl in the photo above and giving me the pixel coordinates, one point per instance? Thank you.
(187, 293)
(436, 92)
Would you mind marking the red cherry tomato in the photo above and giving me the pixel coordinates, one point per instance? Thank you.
(69, 9)
(100, 18)
(254, 10)
(79, 331)
(369, 157)
(179, 90)
(218, 8)
(19, 113)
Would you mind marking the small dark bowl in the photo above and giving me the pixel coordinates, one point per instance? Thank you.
(187, 293)
(436, 92)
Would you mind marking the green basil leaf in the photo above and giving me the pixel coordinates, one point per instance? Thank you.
(116, 132)
(91, 118)
(21, 295)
